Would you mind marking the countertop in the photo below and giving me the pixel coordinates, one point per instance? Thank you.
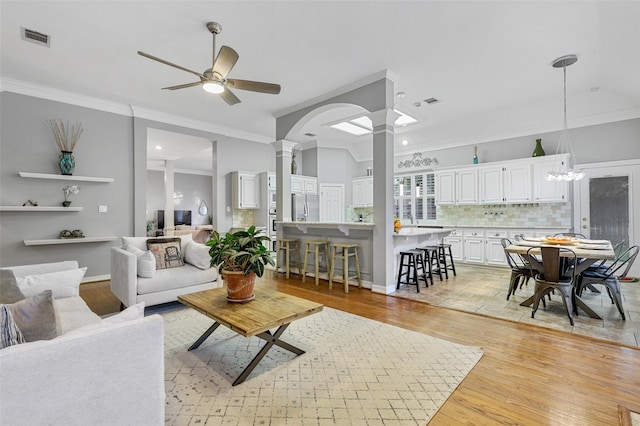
(560, 228)
(416, 231)
(327, 224)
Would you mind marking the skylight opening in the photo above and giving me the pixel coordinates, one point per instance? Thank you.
(350, 128)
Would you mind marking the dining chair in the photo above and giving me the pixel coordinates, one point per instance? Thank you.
(610, 277)
(520, 270)
(551, 273)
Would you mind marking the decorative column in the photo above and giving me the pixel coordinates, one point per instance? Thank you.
(283, 180)
(383, 137)
(168, 196)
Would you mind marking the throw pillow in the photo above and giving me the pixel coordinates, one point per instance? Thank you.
(167, 252)
(9, 333)
(62, 283)
(9, 290)
(146, 262)
(147, 265)
(35, 317)
(131, 313)
(197, 255)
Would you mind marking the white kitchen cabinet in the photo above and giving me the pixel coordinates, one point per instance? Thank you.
(362, 192)
(494, 252)
(457, 250)
(473, 240)
(467, 186)
(543, 190)
(304, 184)
(246, 194)
(446, 187)
(506, 184)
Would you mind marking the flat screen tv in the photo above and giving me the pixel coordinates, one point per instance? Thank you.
(180, 217)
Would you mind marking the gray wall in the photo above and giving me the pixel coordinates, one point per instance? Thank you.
(193, 188)
(27, 145)
(591, 144)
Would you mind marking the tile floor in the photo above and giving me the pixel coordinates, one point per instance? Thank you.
(483, 290)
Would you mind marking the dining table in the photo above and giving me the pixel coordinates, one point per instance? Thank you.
(587, 251)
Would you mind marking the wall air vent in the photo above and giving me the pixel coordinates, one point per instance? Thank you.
(311, 135)
(432, 101)
(35, 37)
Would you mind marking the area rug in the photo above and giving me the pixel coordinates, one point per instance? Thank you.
(354, 371)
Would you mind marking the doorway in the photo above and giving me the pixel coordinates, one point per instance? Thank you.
(332, 203)
(605, 208)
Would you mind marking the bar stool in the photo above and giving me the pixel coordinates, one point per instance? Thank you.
(287, 246)
(413, 261)
(314, 247)
(431, 262)
(443, 251)
(348, 250)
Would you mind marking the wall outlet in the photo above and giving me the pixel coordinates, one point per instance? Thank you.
(228, 209)
(102, 209)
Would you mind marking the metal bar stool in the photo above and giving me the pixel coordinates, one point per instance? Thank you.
(287, 246)
(315, 247)
(413, 261)
(348, 250)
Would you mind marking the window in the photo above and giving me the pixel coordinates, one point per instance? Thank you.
(414, 197)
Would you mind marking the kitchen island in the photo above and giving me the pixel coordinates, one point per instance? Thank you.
(362, 234)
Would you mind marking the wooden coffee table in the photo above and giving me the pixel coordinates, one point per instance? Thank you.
(269, 309)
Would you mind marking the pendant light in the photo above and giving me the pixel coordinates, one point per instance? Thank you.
(564, 145)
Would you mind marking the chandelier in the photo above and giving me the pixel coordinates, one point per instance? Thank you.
(564, 145)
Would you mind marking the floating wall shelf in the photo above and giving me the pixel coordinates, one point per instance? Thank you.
(65, 177)
(68, 241)
(39, 209)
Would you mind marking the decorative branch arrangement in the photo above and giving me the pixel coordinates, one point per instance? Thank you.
(66, 137)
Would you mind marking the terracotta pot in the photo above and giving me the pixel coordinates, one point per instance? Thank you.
(239, 286)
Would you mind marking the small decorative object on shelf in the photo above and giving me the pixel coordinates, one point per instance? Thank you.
(68, 191)
(538, 152)
(65, 234)
(397, 225)
(66, 138)
(475, 155)
(30, 203)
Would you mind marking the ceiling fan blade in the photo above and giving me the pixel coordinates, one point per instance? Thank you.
(254, 86)
(229, 97)
(162, 61)
(227, 58)
(183, 86)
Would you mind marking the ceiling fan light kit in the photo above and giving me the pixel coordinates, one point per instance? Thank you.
(564, 145)
(214, 79)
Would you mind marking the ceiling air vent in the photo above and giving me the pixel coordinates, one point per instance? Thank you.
(432, 101)
(35, 37)
(311, 135)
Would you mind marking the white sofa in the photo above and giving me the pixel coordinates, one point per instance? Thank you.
(93, 373)
(166, 285)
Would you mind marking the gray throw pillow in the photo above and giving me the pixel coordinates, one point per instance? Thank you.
(35, 317)
(9, 290)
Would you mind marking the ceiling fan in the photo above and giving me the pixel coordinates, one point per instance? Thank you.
(214, 79)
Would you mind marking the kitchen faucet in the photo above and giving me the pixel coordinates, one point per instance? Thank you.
(411, 218)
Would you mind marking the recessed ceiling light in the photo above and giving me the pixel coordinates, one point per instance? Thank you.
(405, 142)
(158, 147)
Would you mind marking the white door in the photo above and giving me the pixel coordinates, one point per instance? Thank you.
(605, 204)
(332, 203)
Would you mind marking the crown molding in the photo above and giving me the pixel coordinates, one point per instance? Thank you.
(43, 92)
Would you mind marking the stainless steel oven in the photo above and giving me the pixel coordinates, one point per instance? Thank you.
(272, 199)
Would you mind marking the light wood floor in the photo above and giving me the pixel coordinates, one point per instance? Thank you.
(528, 375)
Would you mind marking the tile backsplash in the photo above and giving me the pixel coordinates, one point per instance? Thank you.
(243, 218)
(552, 215)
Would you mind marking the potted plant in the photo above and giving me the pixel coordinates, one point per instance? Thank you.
(240, 257)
